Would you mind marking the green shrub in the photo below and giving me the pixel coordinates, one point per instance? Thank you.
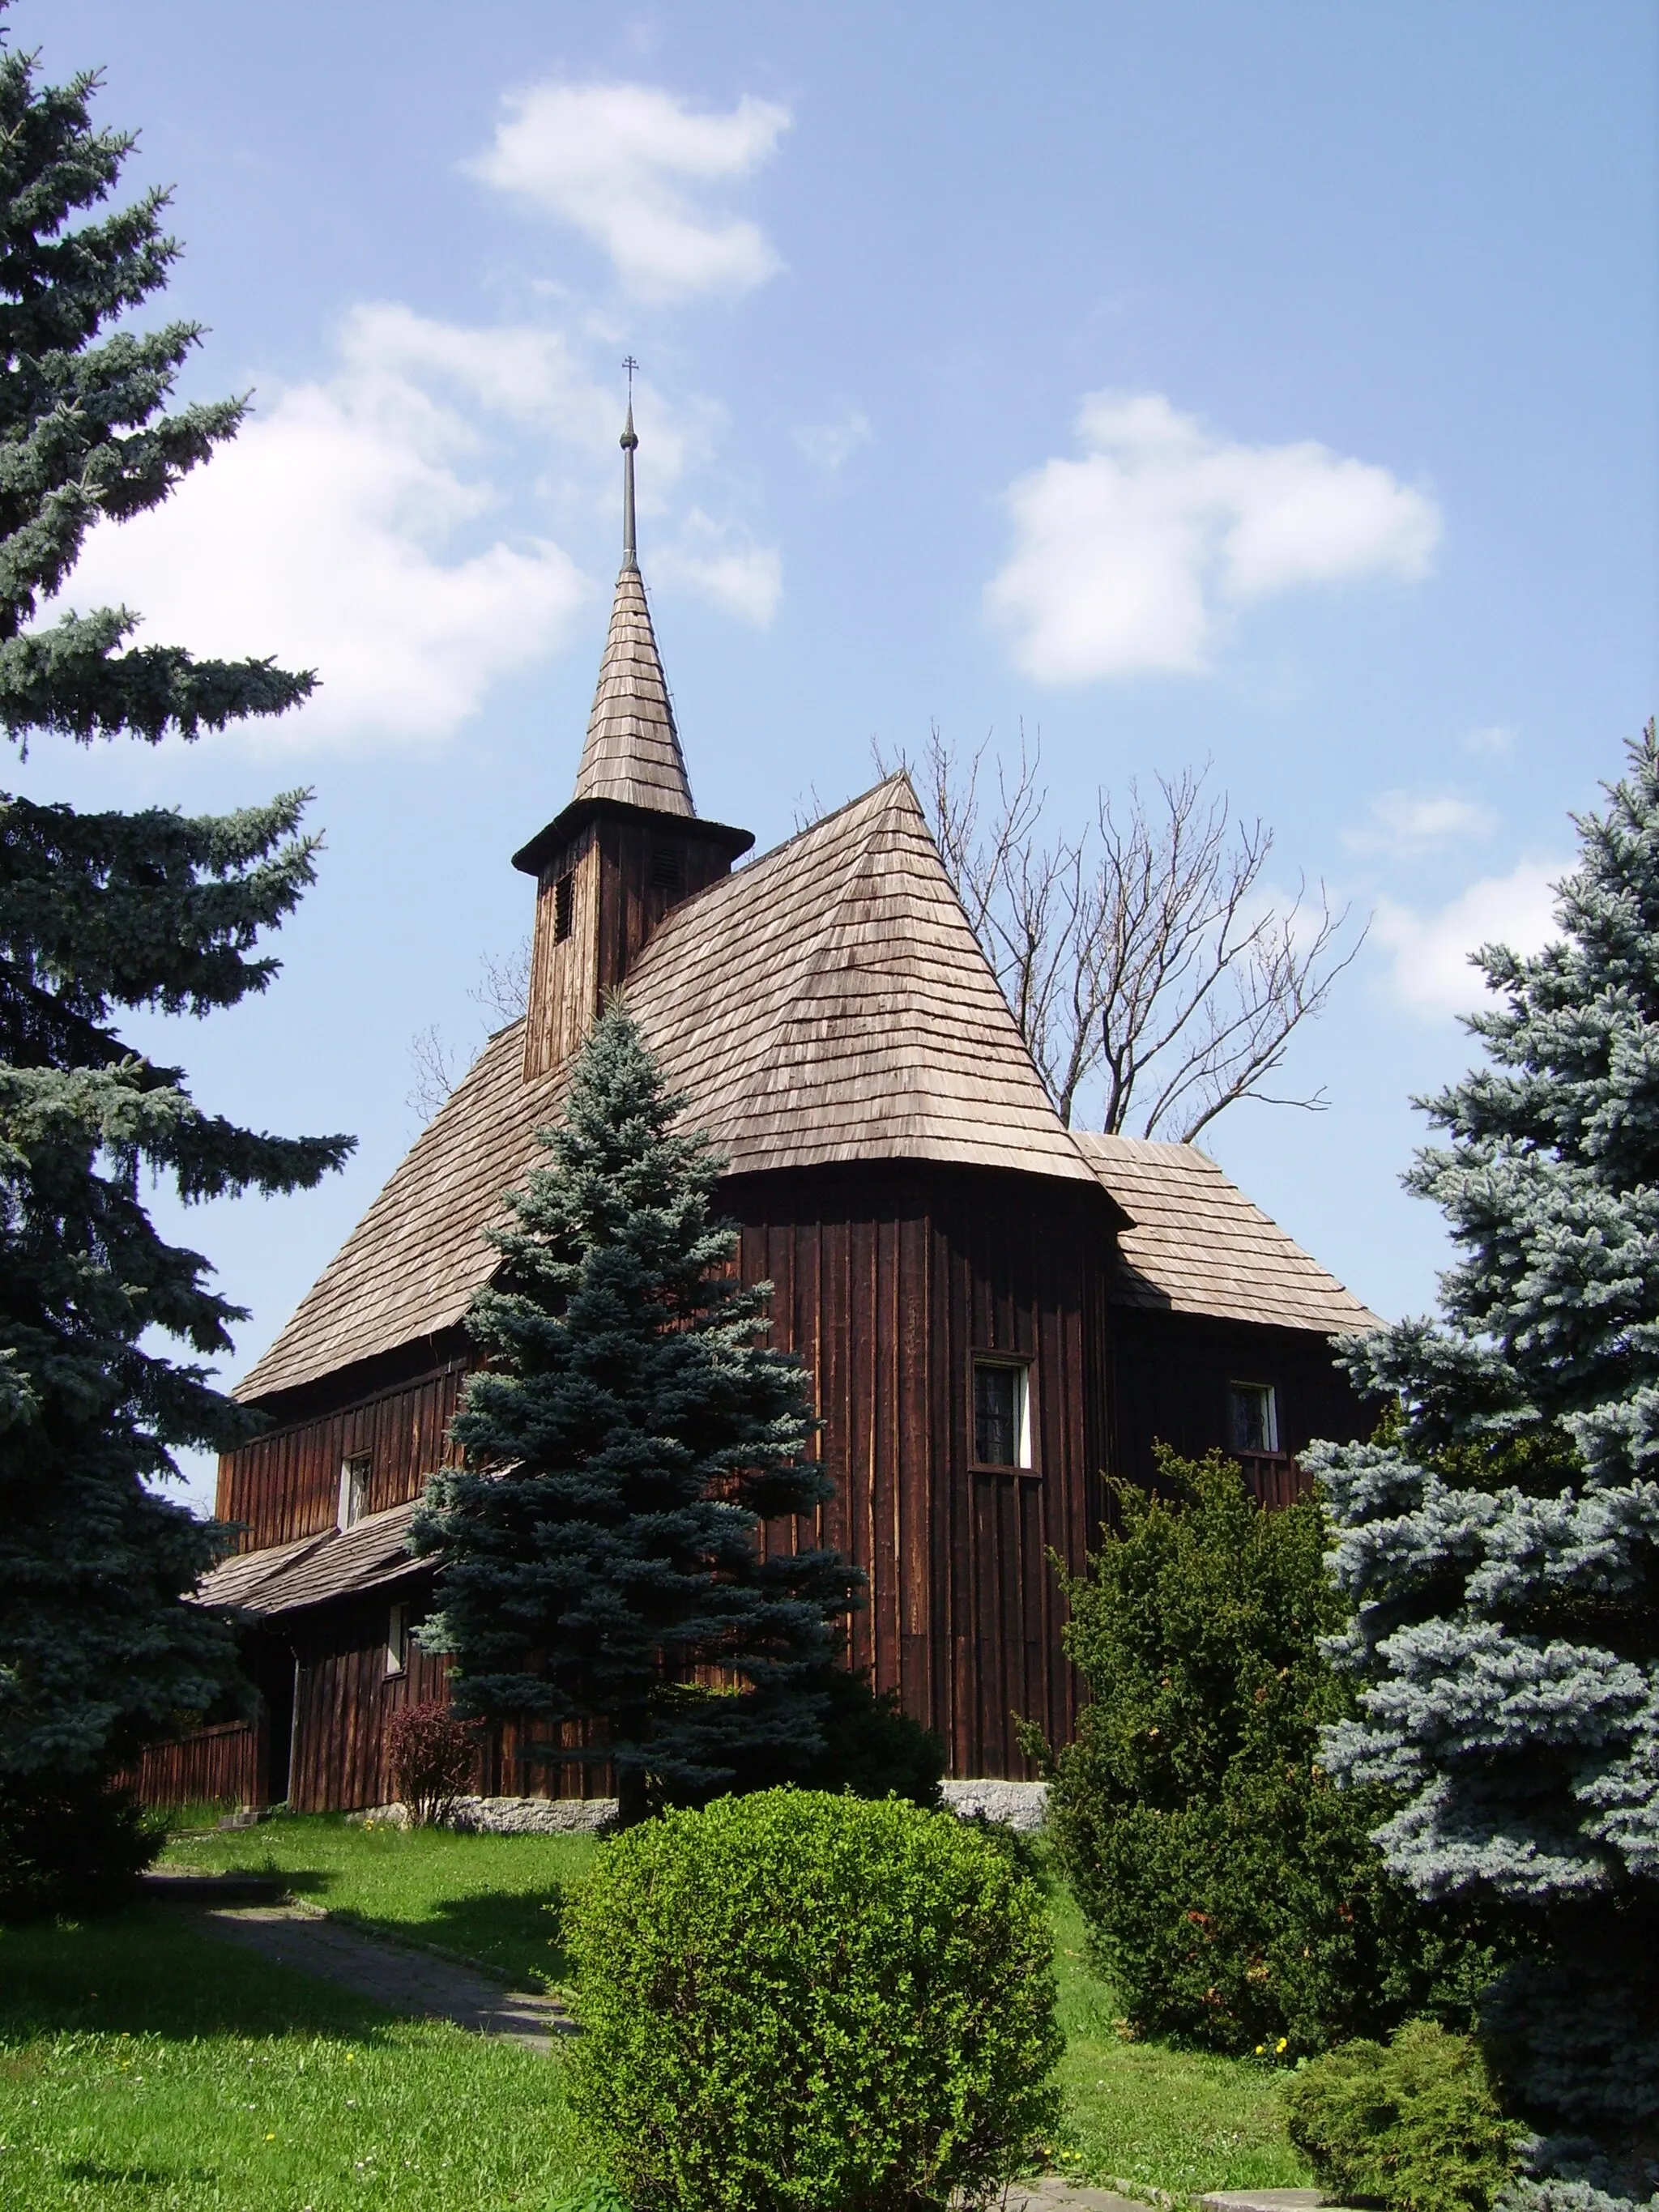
(795, 2000)
(71, 1845)
(1233, 1895)
(1412, 2123)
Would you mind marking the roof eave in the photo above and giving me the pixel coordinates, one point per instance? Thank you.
(576, 817)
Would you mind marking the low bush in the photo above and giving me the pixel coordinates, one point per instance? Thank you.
(1233, 1894)
(433, 1757)
(70, 1845)
(1412, 2123)
(794, 2002)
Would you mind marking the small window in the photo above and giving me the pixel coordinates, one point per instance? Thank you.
(397, 1640)
(354, 1489)
(667, 870)
(1252, 1417)
(564, 907)
(1002, 1413)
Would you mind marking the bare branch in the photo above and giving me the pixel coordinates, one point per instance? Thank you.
(503, 984)
(501, 993)
(1027, 903)
(1144, 952)
(434, 1070)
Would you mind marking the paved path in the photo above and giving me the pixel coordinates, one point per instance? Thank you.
(396, 1975)
(1055, 2193)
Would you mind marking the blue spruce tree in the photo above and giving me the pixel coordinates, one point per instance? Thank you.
(623, 1446)
(1499, 1538)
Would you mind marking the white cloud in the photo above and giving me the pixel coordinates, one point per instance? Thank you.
(631, 166)
(1403, 822)
(1430, 971)
(742, 580)
(325, 533)
(1130, 559)
(1497, 740)
(829, 446)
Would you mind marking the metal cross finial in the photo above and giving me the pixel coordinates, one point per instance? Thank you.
(630, 365)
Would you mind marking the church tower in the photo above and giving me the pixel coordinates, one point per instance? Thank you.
(630, 845)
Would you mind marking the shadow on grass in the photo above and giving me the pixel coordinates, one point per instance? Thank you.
(517, 1935)
(152, 1971)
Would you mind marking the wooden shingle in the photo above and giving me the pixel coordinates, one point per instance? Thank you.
(1197, 1246)
(828, 1002)
(632, 752)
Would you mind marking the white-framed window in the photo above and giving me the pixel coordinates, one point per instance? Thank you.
(397, 1640)
(354, 1489)
(1002, 1412)
(1252, 1417)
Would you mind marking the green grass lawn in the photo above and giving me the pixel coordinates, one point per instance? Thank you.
(1172, 2120)
(144, 2064)
(494, 1898)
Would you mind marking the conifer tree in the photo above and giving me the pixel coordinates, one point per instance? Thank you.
(624, 1444)
(1497, 1539)
(1234, 1897)
(101, 912)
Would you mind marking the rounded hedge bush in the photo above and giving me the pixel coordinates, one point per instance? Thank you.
(794, 2000)
(1411, 2124)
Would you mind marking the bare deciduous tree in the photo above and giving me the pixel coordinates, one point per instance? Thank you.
(436, 1066)
(1146, 951)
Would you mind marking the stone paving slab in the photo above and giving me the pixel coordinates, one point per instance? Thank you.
(397, 1976)
(1266, 2200)
(1055, 2193)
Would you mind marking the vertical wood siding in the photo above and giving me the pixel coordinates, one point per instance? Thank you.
(887, 1282)
(1172, 1372)
(342, 1699)
(617, 899)
(214, 1766)
(286, 1483)
(887, 1285)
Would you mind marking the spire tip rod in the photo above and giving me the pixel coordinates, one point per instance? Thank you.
(631, 558)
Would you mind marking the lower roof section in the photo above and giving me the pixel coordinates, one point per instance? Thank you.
(1197, 1245)
(339, 1563)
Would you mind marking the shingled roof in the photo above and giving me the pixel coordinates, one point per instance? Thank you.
(632, 750)
(1197, 1245)
(828, 1002)
(339, 1563)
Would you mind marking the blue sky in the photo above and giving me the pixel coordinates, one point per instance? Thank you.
(1269, 384)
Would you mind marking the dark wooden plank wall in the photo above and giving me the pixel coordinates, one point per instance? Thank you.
(1172, 1372)
(215, 1766)
(286, 1483)
(887, 1283)
(343, 1698)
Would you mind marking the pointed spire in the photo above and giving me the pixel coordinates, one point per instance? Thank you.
(630, 556)
(633, 749)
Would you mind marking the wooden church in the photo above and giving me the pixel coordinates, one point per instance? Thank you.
(995, 1310)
